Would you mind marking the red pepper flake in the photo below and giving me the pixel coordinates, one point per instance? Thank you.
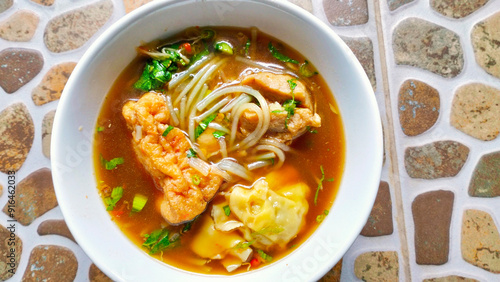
(255, 262)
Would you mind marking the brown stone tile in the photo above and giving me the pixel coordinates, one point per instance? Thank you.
(451, 278)
(485, 39)
(432, 216)
(418, 107)
(457, 8)
(71, 30)
(131, 5)
(52, 84)
(484, 181)
(48, 121)
(346, 13)
(16, 136)
(55, 227)
(44, 2)
(21, 26)
(377, 266)
(436, 160)
(425, 45)
(96, 275)
(11, 248)
(394, 4)
(51, 263)
(18, 66)
(334, 274)
(379, 222)
(34, 197)
(363, 50)
(475, 111)
(480, 243)
(5, 4)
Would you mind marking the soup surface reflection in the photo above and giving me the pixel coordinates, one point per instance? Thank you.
(219, 150)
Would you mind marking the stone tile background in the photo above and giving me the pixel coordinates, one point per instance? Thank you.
(435, 69)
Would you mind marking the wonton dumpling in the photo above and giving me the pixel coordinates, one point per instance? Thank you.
(276, 216)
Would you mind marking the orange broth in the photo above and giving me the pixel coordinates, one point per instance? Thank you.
(324, 148)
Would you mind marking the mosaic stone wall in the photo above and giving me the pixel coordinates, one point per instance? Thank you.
(435, 69)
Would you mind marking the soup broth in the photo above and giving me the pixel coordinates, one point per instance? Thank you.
(314, 158)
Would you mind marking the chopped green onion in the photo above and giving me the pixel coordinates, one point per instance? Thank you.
(218, 134)
(111, 201)
(111, 164)
(100, 128)
(191, 153)
(196, 179)
(169, 128)
(227, 210)
(243, 245)
(280, 56)
(139, 202)
(322, 216)
(265, 256)
(223, 47)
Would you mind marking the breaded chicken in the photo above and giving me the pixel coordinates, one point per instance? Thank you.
(165, 158)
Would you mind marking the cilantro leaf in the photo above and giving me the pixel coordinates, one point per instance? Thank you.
(191, 153)
(227, 210)
(276, 54)
(203, 125)
(158, 241)
(154, 75)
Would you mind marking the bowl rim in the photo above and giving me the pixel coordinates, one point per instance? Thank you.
(129, 19)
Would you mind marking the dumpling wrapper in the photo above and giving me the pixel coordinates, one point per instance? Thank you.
(276, 217)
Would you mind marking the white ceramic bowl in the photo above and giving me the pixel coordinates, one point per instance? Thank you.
(76, 116)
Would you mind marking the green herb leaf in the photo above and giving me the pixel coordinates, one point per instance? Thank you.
(320, 185)
(191, 153)
(199, 55)
(265, 256)
(247, 47)
(109, 165)
(314, 131)
(158, 241)
(227, 210)
(112, 200)
(218, 134)
(292, 84)
(187, 227)
(139, 202)
(306, 70)
(100, 128)
(280, 56)
(169, 128)
(207, 34)
(154, 75)
(203, 125)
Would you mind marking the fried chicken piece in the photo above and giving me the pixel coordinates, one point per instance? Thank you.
(164, 157)
(276, 88)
